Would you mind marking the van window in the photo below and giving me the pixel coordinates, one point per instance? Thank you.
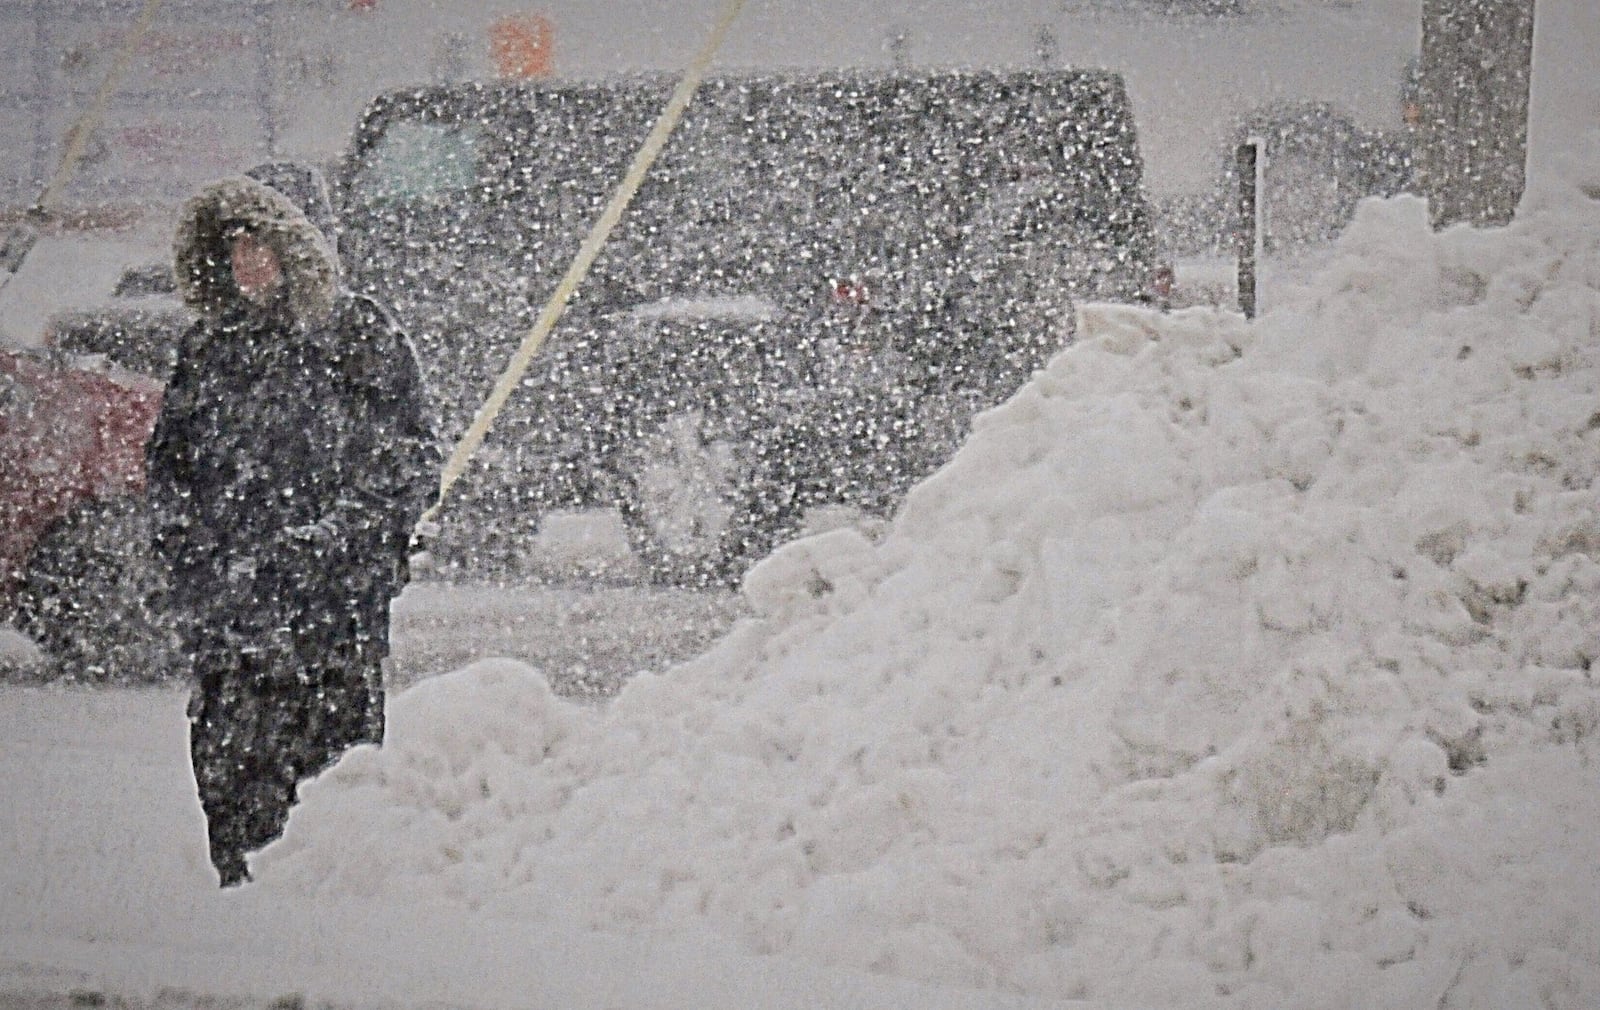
(417, 161)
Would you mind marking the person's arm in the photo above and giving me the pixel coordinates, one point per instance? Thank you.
(390, 473)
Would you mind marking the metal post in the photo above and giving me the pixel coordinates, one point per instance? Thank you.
(900, 48)
(1046, 48)
(1246, 161)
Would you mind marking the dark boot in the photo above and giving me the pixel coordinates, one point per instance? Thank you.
(245, 786)
(231, 867)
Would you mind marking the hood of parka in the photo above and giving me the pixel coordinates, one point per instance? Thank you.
(200, 255)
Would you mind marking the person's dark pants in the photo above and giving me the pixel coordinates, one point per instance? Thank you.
(260, 722)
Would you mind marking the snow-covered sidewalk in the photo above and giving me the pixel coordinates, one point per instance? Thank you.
(105, 888)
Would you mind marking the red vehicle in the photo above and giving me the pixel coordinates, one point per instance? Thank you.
(74, 532)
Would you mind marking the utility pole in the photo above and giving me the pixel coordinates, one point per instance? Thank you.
(1477, 60)
(1046, 48)
(900, 48)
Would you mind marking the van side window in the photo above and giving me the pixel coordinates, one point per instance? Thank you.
(416, 161)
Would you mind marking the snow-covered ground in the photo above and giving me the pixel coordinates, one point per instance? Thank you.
(1227, 665)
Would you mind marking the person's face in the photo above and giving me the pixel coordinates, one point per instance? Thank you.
(255, 267)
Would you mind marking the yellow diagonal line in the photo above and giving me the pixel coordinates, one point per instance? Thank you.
(557, 303)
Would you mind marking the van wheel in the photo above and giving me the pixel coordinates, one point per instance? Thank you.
(687, 504)
(85, 592)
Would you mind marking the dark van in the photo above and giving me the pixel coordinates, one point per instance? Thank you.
(822, 279)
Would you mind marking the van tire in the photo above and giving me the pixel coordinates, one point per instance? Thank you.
(85, 596)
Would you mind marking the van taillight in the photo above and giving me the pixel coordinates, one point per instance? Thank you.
(1161, 283)
(851, 293)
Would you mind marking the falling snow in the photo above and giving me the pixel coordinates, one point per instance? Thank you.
(981, 626)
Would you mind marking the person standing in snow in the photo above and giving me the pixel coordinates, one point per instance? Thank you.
(288, 466)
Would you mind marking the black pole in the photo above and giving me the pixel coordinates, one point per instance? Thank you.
(1245, 167)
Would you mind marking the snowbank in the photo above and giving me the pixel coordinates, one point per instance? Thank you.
(1225, 665)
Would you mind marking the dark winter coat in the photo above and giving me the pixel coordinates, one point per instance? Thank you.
(289, 464)
(292, 449)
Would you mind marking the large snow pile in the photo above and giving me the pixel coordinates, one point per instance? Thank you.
(1226, 665)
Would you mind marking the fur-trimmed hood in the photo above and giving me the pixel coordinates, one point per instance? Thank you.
(200, 258)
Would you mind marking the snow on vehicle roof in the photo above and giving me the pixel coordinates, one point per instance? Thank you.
(67, 272)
